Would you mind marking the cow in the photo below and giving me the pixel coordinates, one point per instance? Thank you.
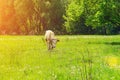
(50, 39)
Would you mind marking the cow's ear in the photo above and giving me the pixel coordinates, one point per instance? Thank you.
(58, 40)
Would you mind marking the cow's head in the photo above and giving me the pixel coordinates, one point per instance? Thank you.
(54, 41)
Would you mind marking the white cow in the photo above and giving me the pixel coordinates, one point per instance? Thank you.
(50, 39)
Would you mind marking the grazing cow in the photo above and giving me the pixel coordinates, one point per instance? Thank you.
(50, 39)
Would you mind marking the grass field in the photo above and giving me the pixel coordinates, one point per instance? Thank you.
(74, 58)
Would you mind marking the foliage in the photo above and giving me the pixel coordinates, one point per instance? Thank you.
(31, 16)
(24, 11)
(71, 16)
(102, 15)
(106, 16)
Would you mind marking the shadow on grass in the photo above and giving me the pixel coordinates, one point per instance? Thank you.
(107, 43)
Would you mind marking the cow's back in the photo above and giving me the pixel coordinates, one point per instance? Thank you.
(49, 35)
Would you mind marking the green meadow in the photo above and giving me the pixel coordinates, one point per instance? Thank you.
(77, 57)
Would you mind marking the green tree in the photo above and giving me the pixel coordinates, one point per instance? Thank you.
(41, 15)
(57, 10)
(88, 16)
(75, 17)
(24, 12)
(48, 15)
(105, 17)
(73, 14)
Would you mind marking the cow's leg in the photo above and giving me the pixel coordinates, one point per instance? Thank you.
(48, 45)
(51, 46)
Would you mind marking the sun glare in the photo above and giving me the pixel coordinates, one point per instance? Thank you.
(112, 61)
(6, 14)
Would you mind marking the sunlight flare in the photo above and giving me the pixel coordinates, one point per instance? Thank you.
(112, 61)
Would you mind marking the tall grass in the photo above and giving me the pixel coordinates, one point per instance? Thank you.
(74, 58)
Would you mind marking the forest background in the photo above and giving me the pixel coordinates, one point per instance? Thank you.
(33, 17)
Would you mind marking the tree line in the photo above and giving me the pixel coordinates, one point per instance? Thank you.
(61, 16)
